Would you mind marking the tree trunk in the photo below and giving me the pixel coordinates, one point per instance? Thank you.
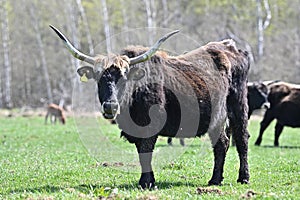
(297, 43)
(35, 22)
(86, 27)
(165, 13)
(297, 50)
(151, 14)
(262, 25)
(178, 11)
(6, 95)
(72, 14)
(106, 26)
(125, 18)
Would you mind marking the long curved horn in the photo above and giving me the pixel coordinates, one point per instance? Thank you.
(148, 54)
(73, 50)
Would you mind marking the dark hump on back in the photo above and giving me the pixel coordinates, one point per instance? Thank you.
(133, 51)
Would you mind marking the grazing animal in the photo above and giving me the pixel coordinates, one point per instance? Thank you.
(151, 93)
(284, 101)
(54, 111)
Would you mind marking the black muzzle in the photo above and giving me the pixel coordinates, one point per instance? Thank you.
(110, 110)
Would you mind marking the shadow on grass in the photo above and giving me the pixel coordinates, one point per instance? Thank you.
(282, 147)
(88, 188)
(178, 146)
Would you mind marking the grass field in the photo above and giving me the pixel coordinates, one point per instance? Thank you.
(40, 161)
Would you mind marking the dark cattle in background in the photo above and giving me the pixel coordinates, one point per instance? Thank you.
(284, 101)
(257, 98)
(181, 140)
(258, 95)
(218, 74)
(54, 112)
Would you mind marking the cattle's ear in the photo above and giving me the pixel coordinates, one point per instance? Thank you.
(86, 73)
(136, 73)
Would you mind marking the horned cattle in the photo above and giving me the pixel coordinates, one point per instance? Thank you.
(151, 94)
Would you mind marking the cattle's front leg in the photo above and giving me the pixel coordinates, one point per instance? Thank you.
(220, 150)
(46, 117)
(268, 118)
(145, 148)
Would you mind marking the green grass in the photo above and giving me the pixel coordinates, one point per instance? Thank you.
(40, 161)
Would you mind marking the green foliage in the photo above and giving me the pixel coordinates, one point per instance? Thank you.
(49, 162)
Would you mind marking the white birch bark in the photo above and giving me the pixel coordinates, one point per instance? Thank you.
(262, 25)
(86, 26)
(106, 26)
(151, 15)
(125, 18)
(6, 93)
(35, 23)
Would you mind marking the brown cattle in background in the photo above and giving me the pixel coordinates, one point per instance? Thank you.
(284, 101)
(54, 112)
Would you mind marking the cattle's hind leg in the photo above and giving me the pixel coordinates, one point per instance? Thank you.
(278, 131)
(220, 150)
(238, 118)
(241, 137)
(181, 140)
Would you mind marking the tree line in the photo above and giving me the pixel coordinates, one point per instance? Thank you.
(35, 68)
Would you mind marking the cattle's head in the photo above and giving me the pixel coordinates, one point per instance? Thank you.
(62, 120)
(257, 95)
(108, 70)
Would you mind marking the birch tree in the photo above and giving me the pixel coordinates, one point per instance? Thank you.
(86, 26)
(125, 18)
(35, 23)
(165, 13)
(6, 94)
(72, 20)
(106, 26)
(262, 25)
(151, 14)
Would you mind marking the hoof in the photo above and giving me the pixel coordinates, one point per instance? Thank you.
(257, 143)
(243, 181)
(214, 182)
(147, 181)
(149, 186)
